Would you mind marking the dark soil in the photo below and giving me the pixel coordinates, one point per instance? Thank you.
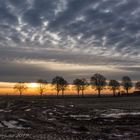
(35, 118)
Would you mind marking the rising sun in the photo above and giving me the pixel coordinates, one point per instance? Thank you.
(33, 85)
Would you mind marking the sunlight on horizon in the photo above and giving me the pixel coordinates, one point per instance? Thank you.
(33, 85)
(7, 88)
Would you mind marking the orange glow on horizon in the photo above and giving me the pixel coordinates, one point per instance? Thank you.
(7, 88)
(32, 85)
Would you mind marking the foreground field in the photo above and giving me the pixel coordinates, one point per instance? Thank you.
(35, 118)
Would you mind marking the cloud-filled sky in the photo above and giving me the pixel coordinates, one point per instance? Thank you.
(72, 38)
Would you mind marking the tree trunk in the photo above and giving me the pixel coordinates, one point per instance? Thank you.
(20, 93)
(41, 94)
(57, 88)
(57, 93)
(62, 93)
(82, 93)
(127, 92)
(119, 94)
(78, 93)
(114, 93)
(99, 93)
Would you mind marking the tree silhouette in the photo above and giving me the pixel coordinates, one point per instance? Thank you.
(20, 87)
(98, 82)
(60, 84)
(41, 86)
(137, 85)
(84, 85)
(77, 84)
(63, 85)
(56, 84)
(127, 84)
(114, 85)
(80, 85)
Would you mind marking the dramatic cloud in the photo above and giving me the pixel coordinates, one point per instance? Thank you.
(73, 38)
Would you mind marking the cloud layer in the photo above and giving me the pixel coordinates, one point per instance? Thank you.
(74, 38)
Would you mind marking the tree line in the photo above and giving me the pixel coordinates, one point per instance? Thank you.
(97, 82)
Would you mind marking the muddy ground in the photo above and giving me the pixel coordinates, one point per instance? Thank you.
(36, 118)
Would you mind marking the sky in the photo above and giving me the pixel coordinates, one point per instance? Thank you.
(70, 38)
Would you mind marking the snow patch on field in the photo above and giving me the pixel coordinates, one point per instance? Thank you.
(117, 113)
(81, 117)
(1, 110)
(27, 110)
(23, 120)
(16, 124)
(12, 124)
(71, 105)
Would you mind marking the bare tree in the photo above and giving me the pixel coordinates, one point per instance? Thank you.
(114, 85)
(80, 85)
(84, 85)
(98, 82)
(127, 84)
(56, 84)
(137, 85)
(20, 87)
(60, 84)
(42, 85)
(77, 84)
(63, 85)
